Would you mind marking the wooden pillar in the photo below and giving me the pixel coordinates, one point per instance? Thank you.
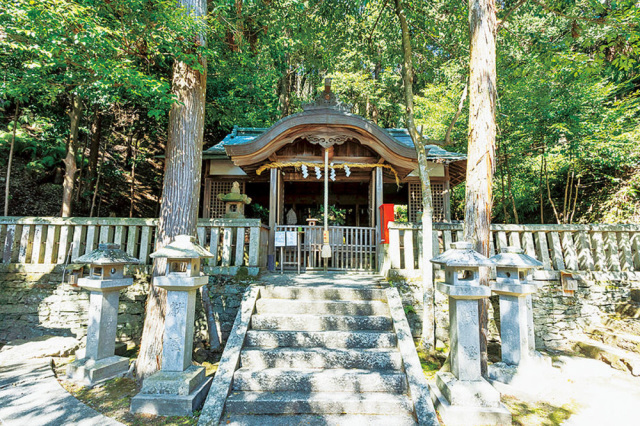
(447, 194)
(273, 212)
(378, 196)
(372, 200)
(378, 192)
(281, 211)
(206, 203)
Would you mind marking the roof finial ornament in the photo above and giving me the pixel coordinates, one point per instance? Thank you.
(327, 99)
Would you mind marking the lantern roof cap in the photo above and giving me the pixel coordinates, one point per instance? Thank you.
(235, 195)
(107, 254)
(461, 254)
(514, 257)
(182, 247)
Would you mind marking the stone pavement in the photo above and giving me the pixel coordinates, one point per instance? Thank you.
(324, 279)
(31, 395)
(596, 393)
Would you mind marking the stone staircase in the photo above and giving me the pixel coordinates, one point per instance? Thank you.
(323, 355)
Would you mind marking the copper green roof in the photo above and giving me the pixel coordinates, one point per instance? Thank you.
(107, 254)
(513, 257)
(245, 135)
(462, 255)
(183, 247)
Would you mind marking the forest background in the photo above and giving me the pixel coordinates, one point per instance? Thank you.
(568, 93)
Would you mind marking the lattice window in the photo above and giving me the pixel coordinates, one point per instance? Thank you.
(415, 201)
(216, 207)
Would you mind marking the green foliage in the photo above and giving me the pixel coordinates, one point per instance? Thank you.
(567, 114)
(102, 51)
(568, 88)
(336, 216)
(409, 309)
(257, 211)
(37, 139)
(400, 213)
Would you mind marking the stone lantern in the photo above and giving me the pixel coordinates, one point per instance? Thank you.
(104, 281)
(514, 284)
(234, 202)
(463, 396)
(179, 387)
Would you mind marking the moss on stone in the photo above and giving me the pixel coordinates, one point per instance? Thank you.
(538, 413)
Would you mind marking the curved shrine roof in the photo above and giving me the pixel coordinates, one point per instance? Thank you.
(245, 135)
(325, 120)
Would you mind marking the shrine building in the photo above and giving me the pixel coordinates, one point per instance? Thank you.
(281, 168)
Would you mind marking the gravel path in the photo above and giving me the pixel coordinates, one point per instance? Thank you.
(31, 395)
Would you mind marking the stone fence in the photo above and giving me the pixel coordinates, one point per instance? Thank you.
(601, 252)
(235, 243)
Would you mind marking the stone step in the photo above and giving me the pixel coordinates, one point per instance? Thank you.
(318, 380)
(379, 359)
(628, 309)
(320, 322)
(323, 293)
(618, 338)
(623, 324)
(320, 339)
(613, 356)
(321, 307)
(318, 403)
(318, 420)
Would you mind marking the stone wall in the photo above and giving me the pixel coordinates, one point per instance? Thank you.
(34, 302)
(226, 294)
(560, 320)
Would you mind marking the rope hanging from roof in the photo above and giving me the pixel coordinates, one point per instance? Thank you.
(298, 164)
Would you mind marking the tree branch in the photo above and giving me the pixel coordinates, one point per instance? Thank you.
(576, 18)
(447, 136)
(509, 13)
(378, 19)
(555, 211)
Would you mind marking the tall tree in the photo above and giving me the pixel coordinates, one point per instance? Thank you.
(181, 186)
(428, 316)
(11, 149)
(482, 141)
(81, 51)
(70, 165)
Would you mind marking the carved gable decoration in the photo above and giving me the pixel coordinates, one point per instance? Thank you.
(327, 99)
(326, 140)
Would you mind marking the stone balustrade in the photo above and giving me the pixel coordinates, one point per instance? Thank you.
(52, 240)
(610, 252)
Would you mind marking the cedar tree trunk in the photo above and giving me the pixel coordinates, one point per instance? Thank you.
(94, 147)
(181, 188)
(482, 141)
(13, 143)
(70, 166)
(428, 316)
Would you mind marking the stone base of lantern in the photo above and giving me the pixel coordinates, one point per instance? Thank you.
(89, 372)
(462, 402)
(529, 368)
(168, 393)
